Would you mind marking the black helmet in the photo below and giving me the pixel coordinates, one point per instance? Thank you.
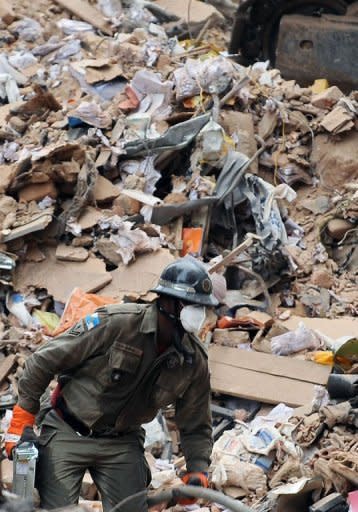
(188, 280)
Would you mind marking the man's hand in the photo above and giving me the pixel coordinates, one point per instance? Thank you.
(28, 436)
(19, 421)
(198, 479)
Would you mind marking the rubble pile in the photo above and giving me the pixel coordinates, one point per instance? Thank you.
(129, 138)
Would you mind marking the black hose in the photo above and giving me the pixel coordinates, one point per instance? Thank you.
(186, 491)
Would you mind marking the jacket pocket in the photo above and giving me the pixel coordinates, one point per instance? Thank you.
(125, 358)
(46, 436)
(124, 362)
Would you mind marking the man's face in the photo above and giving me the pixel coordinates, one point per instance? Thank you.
(169, 304)
(173, 305)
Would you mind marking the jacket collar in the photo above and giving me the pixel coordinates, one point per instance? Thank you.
(149, 325)
(150, 319)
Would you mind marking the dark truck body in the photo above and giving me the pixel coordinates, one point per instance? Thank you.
(305, 39)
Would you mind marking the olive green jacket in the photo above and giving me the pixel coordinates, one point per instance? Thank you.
(116, 379)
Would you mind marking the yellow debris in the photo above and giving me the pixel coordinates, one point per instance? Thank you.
(319, 85)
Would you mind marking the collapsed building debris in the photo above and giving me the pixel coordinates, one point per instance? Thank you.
(129, 138)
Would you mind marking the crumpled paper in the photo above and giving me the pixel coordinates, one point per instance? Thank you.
(92, 114)
(130, 241)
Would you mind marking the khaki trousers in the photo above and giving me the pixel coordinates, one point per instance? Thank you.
(117, 466)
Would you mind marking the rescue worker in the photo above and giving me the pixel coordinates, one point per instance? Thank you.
(116, 369)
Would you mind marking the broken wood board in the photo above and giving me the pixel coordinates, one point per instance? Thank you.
(241, 126)
(6, 366)
(298, 369)
(333, 328)
(60, 277)
(137, 277)
(38, 223)
(265, 377)
(85, 12)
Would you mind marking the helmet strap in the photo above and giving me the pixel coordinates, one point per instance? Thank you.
(170, 316)
(178, 329)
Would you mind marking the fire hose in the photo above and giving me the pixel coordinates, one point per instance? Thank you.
(185, 491)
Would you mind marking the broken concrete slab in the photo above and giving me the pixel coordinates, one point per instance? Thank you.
(90, 217)
(37, 192)
(60, 277)
(104, 191)
(258, 318)
(109, 250)
(37, 222)
(338, 120)
(139, 276)
(327, 98)
(100, 70)
(336, 160)
(318, 205)
(230, 337)
(69, 253)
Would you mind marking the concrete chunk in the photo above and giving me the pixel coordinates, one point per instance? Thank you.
(37, 191)
(104, 190)
(336, 161)
(70, 253)
(327, 98)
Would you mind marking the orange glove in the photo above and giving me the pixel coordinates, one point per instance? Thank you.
(20, 419)
(198, 479)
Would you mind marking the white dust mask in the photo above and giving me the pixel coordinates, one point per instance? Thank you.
(192, 318)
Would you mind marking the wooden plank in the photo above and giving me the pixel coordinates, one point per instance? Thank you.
(84, 11)
(200, 219)
(178, 236)
(6, 366)
(263, 387)
(332, 327)
(268, 364)
(232, 255)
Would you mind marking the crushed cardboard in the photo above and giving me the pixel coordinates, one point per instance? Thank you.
(60, 277)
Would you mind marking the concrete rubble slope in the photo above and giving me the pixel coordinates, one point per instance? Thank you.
(128, 138)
